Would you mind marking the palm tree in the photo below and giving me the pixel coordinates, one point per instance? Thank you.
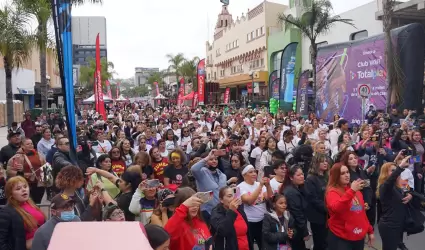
(188, 70)
(15, 47)
(41, 11)
(395, 74)
(87, 72)
(316, 20)
(175, 62)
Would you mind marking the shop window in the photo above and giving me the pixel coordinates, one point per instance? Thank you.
(262, 62)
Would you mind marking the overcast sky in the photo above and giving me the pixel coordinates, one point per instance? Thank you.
(141, 32)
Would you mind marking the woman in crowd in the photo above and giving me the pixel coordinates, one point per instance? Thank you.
(186, 228)
(297, 205)
(280, 171)
(117, 162)
(144, 202)
(253, 196)
(233, 173)
(315, 187)
(161, 147)
(69, 180)
(27, 162)
(257, 151)
(229, 223)
(418, 151)
(170, 140)
(393, 198)
(266, 156)
(142, 160)
(46, 142)
(20, 218)
(103, 162)
(348, 223)
(174, 172)
(127, 152)
(158, 163)
(101, 146)
(277, 224)
(344, 144)
(158, 238)
(163, 213)
(142, 147)
(209, 179)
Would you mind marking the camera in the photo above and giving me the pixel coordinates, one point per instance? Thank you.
(407, 152)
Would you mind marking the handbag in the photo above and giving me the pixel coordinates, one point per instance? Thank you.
(415, 220)
(46, 177)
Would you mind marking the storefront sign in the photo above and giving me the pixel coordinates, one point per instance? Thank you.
(250, 57)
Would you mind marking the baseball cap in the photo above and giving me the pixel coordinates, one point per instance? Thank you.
(61, 201)
(12, 133)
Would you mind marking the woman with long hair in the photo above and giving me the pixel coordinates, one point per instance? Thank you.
(165, 210)
(418, 150)
(27, 162)
(126, 152)
(315, 186)
(104, 162)
(186, 228)
(257, 152)
(177, 169)
(292, 188)
(46, 142)
(393, 196)
(158, 163)
(277, 224)
(348, 223)
(266, 156)
(233, 174)
(170, 140)
(117, 162)
(254, 195)
(20, 218)
(229, 223)
(143, 160)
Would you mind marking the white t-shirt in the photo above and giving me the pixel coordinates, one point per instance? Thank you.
(256, 154)
(275, 185)
(254, 213)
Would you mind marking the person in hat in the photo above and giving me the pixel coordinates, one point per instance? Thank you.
(10, 149)
(62, 210)
(112, 212)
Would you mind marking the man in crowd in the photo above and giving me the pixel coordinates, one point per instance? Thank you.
(10, 149)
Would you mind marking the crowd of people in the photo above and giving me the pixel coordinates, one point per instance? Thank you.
(217, 178)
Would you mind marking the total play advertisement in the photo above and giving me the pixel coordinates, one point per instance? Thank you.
(341, 70)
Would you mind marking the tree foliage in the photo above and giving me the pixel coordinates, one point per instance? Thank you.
(189, 70)
(316, 20)
(138, 91)
(87, 72)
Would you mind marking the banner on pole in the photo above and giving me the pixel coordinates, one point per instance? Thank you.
(227, 96)
(98, 81)
(287, 76)
(201, 81)
(302, 94)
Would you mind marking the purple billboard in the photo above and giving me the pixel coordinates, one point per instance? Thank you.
(340, 70)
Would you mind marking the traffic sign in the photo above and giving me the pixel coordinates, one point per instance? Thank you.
(225, 2)
(363, 90)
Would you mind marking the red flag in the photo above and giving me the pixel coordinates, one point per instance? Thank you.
(227, 95)
(96, 102)
(201, 81)
(100, 104)
(108, 88)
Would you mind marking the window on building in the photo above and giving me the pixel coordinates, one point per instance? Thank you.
(237, 43)
(80, 60)
(257, 63)
(221, 23)
(262, 30)
(257, 32)
(225, 23)
(252, 35)
(102, 53)
(262, 62)
(217, 52)
(215, 75)
(359, 35)
(234, 44)
(209, 76)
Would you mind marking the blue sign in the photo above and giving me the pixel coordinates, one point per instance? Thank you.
(244, 92)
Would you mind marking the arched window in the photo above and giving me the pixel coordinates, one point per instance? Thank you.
(221, 23)
(226, 23)
(359, 35)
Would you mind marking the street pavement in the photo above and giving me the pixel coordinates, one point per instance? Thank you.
(414, 242)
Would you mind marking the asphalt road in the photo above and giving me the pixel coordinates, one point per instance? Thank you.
(413, 242)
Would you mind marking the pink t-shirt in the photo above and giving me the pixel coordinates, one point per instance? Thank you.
(38, 216)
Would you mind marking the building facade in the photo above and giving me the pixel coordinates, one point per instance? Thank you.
(237, 57)
(141, 75)
(26, 80)
(84, 33)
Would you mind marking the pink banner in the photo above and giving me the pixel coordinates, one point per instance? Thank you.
(108, 89)
(157, 91)
(227, 95)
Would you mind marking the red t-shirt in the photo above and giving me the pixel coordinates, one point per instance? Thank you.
(241, 229)
(158, 169)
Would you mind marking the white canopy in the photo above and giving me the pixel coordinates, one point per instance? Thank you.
(91, 99)
(121, 98)
(160, 97)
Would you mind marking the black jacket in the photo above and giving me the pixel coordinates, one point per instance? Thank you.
(12, 231)
(366, 191)
(60, 160)
(222, 228)
(393, 210)
(297, 206)
(315, 187)
(272, 231)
